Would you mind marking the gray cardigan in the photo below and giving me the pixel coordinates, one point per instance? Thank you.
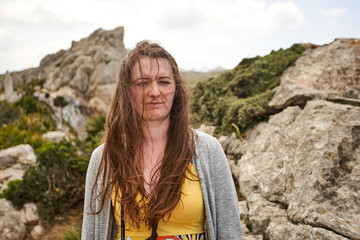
(220, 199)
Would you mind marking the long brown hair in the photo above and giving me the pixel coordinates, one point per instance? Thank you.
(120, 168)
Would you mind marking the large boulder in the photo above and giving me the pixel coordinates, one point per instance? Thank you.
(300, 173)
(327, 72)
(14, 161)
(11, 226)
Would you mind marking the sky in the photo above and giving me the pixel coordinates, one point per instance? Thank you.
(200, 34)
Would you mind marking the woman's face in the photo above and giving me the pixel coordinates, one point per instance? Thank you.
(153, 88)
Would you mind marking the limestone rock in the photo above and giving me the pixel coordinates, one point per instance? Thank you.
(54, 136)
(23, 154)
(10, 94)
(304, 166)
(281, 227)
(11, 228)
(327, 72)
(206, 129)
(28, 214)
(36, 232)
(89, 68)
(14, 161)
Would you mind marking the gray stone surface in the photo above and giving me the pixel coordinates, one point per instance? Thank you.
(54, 136)
(303, 167)
(11, 228)
(14, 161)
(329, 71)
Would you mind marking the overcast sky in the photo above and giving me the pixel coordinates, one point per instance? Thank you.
(200, 34)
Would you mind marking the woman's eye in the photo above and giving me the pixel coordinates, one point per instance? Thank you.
(143, 83)
(164, 82)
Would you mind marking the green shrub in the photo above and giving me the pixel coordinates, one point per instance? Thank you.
(28, 87)
(55, 183)
(31, 105)
(240, 96)
(60, 101)
(8, 113)
(39, 123)
(11, 135)
(95, 130)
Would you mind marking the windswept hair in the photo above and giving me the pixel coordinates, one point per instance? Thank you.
(120, 166)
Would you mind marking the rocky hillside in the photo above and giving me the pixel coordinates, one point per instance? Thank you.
(298, 173)
(84, 75)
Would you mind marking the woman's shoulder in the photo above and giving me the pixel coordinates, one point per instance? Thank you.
(206, 141)
(204, 137)
(96, 156)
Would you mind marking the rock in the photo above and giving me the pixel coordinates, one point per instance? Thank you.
(303, 166)
(281, 227)
(206, 129)
(10, 225)
(14, 161)
(10, 95)
(233, 147)
(23, 154)
(89, 68)
(28, 213)
(36, 232)
(327, 72)
(54, 136)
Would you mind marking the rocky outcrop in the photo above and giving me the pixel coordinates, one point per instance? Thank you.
(10, 225)
(13, 222)
(14, 161)
(85, 74)
(327, 72)
(9, 95)
(54, 136)
(300, 173)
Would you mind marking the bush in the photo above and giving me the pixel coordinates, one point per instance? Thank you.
(95, 130)
(28, 87)
(60, 101)
(36, 123)
(8, 113)
(30, 105)
(11, 135)
(55, 183)
(240, 96)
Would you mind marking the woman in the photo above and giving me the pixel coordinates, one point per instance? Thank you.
(155, 177)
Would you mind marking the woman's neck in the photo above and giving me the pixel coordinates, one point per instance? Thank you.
(155, 133)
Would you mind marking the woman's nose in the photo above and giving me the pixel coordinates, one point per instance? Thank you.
(154, 90)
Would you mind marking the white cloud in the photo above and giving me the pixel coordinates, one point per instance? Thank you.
(200, 32)
(333, 12)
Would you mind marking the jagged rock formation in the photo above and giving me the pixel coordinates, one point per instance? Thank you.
(327, 72)
(10, 95)
(303, 170)
(14, 161)
(88, 71)
(299, 172)
(13, 222)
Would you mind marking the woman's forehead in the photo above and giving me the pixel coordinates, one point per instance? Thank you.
(147, 65)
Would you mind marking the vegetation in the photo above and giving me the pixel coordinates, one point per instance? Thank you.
(28, 87)
(24, 121)
(55, 183)
(8, 113)
(60, 101)
(72, 233)
(240, 96)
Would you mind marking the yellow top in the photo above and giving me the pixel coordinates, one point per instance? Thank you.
(187, 218)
